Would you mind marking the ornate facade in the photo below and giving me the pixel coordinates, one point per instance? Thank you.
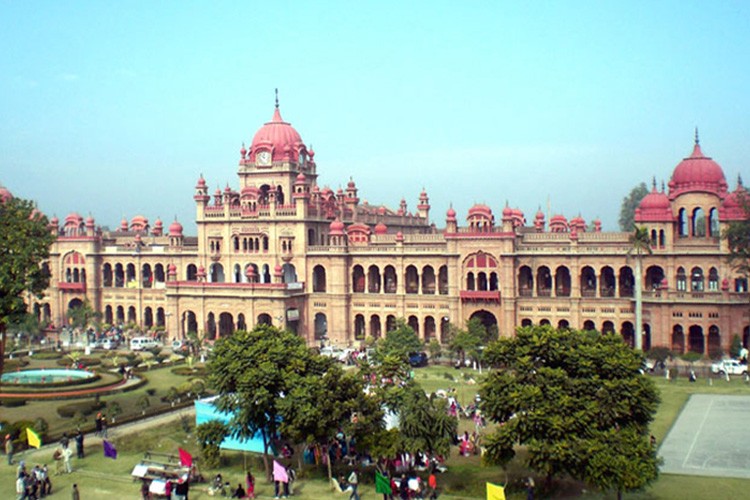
(281, 249)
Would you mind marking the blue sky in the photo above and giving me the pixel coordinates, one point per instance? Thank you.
(115, 108)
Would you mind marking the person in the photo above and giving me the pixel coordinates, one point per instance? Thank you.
(66, 454)
(42, 476)
(354, 483)
(98, 423)
(239, 492)
(64, 440)
(9, 448)
(692, 377)
(530, 488)
(21, 487)
(75, 495)
(250, 484)
(79, 444)
(432, 483)
(403, 488)
(145, 493)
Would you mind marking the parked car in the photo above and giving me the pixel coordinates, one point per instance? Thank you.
(142, 343)
(730, 366)
(107, 344)
(334, 352)
(418, 359)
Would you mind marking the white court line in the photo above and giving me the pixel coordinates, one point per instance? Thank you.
(698, 433)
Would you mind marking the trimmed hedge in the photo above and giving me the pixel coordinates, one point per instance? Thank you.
(84, 361)
(43, 355)
(85, 407)
(13, 402)
(186, 371)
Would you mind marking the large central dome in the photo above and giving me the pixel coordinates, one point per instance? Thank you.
(279, 138)
(697, 173)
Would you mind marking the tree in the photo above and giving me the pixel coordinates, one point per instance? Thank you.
(83, 315)
(629, 204)
(399, 342)
(210, 436)
(254, 372)
(640, 245)
(25, 241)
(425, 423)
(318, 406)
(467, 342)
(737, 235)
(577, 401)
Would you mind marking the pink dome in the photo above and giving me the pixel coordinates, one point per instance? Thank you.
(539, 215)
(301, 177)
(697, 173)
(201, 182)
(336, 227)
(654, 200)
(123, 224)
(175, 229)
(172, 269)
(54, 221)
(5, 194)
(89, 221)
(450, 214)
(277, 270)
(480, 209)
(733, 207)
(381, 228)
(277, 136)
(507, 212)
(654, 207)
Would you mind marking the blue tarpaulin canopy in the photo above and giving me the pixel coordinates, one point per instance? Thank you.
(205, 411)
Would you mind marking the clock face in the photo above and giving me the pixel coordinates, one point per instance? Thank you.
(263, 158)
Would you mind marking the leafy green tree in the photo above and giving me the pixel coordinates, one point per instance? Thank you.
(640, 245)
(736, 347)
(318, 406)
(24, 244)
(209, 436)
(629, 204)
(570, 398)
(435, 349)
(466, 343)
(425, 423)
(254, 372)
(399, 342)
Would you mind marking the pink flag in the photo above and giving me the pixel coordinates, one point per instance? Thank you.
(279, 472)
(186, 459)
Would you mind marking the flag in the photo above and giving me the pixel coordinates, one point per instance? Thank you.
(109, 449)
(279, 472)
(186, 459)
(382, 484)
(495, 492)
(33, 438)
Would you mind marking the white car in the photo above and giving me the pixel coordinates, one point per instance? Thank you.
(336, 353)
(730, 366)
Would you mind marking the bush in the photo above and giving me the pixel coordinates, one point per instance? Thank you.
(85, 407)
(691, 357)
(14, 402)
(86, 362)
(186, 371)
(659, 354)
(151, 392)
(42, 355)
(14, 364)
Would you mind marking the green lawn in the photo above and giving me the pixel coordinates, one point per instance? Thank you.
(99, 477)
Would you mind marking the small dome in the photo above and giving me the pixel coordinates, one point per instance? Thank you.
(733, 207)
(539, 215)
(351, 184)
(277, 270)
(654, 207)
(381, 228)
(175, 229)
(399, 236)
(654, 200)
(480, 209)
(89, 221)
(54, 221)
(172, 269)
(201, 182)
(123, 224)
(336, 227)
(450, 214)
(301, 177)
(507, 212)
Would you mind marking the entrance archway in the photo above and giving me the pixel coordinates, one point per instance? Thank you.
(489, 321)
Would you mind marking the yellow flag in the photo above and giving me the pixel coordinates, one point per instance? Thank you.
(495, 492)
(33, 438)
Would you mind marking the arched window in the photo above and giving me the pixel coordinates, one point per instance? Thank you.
(375, 331)
(119, 276)
(412, 280)
(681, 279)
(319, 279)
(588, 282)
(428, 280)
(443, 280)
(713, 280)
(678, 339)
(148, 317)
(391, 279)
(358, 279)
(429, 328)
(226, 324)
(696, 279)
(148, 277)
(654, 277)
(107, 277)
(159, 273)
(607, 282)
(131, 277)
(525, 282)
(373, 279)
(217, 273)
(682, 223)
(290, 273)
(470, 284)
(562, 282)
(321, 326)
(191, 273)
(493, 282)
(626, 283)
(482, 282)
(699, 223)
(359, 327)
(413, 322)
(713, 223)
(390, 323)
(543, 282)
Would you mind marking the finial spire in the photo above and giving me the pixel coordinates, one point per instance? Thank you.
(697, 140)
(653, 183)
(276, 91)
(739, 180)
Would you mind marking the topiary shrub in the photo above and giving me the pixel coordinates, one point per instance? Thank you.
(14, 402)
(43, 355)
